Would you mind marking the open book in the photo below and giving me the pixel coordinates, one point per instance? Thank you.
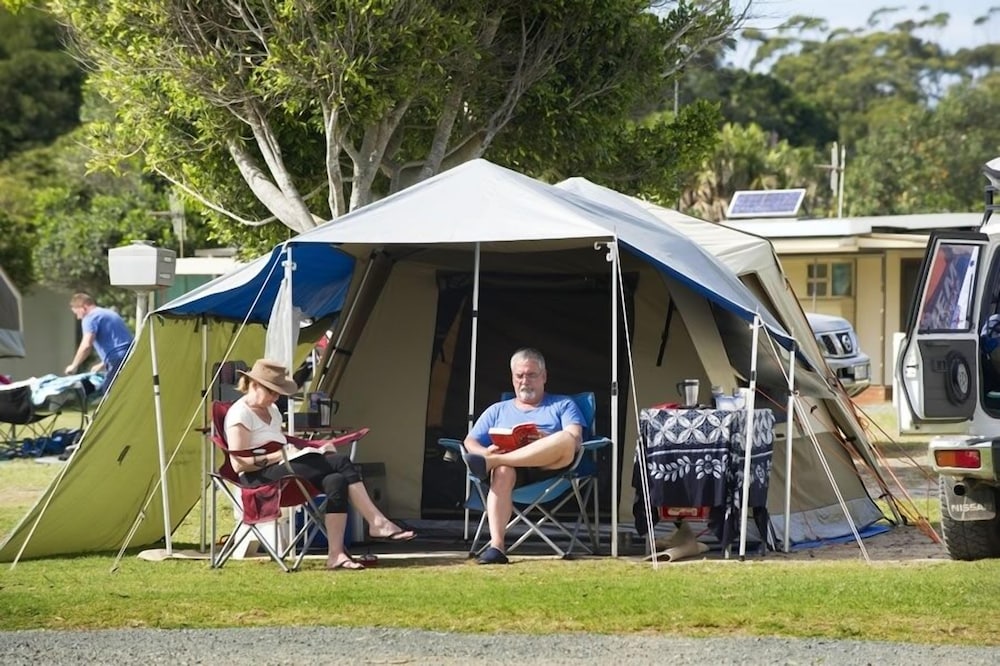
(508, 439)
(291, 452)
(297, 446)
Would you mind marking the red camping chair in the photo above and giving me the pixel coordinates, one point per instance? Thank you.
(257, 505)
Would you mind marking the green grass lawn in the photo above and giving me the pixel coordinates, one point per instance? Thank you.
(940, 602)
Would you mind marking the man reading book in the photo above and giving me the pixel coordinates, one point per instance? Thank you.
(561, 425)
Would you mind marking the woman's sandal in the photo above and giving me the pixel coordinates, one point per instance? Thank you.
(399, 536)
(347, 565)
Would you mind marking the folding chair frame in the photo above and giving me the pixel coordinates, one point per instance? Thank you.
(225, 479)
(19, 411)
(245, 529)
(577, 482)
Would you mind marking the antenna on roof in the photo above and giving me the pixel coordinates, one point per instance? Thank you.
(765, 203)
(838, 161)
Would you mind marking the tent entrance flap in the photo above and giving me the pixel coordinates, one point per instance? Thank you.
(565, 316)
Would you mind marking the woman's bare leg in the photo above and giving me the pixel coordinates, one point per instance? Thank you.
(336, 556)
(379, 525)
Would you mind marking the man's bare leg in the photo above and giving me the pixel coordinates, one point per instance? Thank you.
(551, 452)
(499, 506)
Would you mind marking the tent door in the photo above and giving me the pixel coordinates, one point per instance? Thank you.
(566, 317)
(938, 369)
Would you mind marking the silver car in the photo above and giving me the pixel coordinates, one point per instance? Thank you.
(839, 342)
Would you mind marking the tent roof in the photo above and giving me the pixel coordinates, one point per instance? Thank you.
(476, 202)
(11, 337)
(741, 251)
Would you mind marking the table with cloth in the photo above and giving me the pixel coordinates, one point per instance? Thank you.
(694, 458)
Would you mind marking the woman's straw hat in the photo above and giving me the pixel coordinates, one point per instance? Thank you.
(273, 375)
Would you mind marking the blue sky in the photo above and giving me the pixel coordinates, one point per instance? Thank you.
(961, 31)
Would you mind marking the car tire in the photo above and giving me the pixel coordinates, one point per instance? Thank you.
(968, 539)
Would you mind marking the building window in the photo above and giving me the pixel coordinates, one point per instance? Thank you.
(830, 279)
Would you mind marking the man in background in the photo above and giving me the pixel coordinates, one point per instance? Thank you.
(105, 332)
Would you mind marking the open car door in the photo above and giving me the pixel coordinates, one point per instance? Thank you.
(938, 368)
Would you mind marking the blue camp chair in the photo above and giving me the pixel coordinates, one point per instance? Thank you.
(536, 505)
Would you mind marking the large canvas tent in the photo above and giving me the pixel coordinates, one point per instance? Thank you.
(11, 336)
(431, 290)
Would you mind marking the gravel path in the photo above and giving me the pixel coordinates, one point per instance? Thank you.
(393, 646)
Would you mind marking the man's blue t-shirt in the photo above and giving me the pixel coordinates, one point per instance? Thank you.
(111, 335)
(552, 414)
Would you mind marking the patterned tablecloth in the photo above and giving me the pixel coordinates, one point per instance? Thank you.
(694, 457)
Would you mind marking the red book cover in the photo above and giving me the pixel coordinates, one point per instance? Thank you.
(508, 439)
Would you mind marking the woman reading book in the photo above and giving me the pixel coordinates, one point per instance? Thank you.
(560, 426)
(253, 421)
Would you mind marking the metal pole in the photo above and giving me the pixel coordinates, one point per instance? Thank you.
(291, 329)
(789, 428)
(840, 181)
(472, 365)
(206, 422)
(160, 444)
(615, 268)
(748, 440)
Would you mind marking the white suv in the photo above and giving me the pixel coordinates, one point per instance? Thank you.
(839, 343)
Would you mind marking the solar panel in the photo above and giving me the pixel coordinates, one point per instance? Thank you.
(765, 203)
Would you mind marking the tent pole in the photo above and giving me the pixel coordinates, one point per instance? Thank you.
(206, 459)
(160, 444)
(291, 330)
(748, 441)
(789, 428)
(472, 365)
(615, 269)
(290, 327)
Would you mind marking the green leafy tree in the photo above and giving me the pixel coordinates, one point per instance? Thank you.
(747, 98)
(18, 235)
(296, 112)
(747, 158)
(73, 216)
(40, 93)
(917, 159)
(40, 83)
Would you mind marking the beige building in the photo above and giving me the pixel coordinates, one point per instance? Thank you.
(863, 269)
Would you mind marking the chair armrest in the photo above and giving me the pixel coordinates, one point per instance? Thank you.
(340, 440)
(454, 445)
(595, 444)
(584, 465)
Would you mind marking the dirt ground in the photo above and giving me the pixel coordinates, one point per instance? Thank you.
(914, 486)
(917, 489)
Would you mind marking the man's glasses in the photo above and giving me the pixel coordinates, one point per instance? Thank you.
(530, 376)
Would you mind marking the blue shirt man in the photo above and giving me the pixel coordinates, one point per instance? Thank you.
(551, 414)
(105, 332)
(558, 416)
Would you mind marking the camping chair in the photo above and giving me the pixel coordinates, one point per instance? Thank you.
(18, 409)
(547, 497)
(257, 505)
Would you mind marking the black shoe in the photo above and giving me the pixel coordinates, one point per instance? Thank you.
(477, 465)
(492, 556)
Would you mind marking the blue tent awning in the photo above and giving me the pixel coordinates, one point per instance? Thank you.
(320, 283)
